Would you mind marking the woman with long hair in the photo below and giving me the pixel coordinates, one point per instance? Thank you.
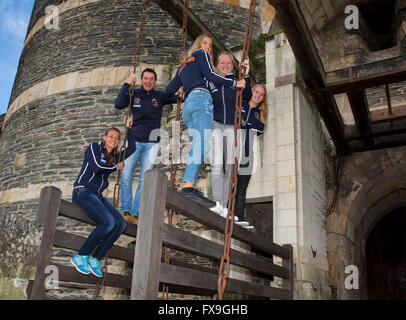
(254, 114)
(100, 160)
(194, 76)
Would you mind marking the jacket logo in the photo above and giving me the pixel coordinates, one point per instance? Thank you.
(102, 155)
(154, 103)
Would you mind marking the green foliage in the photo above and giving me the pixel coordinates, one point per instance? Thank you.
(257, 57)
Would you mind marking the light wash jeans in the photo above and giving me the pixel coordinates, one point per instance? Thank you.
(197, 115)
(222, 157)
(147, 153)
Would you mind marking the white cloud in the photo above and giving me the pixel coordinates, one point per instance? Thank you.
(15, 26)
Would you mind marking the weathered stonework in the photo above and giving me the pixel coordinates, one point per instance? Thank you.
(62, 100)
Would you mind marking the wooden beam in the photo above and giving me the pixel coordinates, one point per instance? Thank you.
(388, 115)
(198, 213)
(368, 81)
(148, 247)
(191, 278)
(50, 199)
(311, 68)
(359, 106)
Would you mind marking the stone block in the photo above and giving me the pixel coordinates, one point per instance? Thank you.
(57, 84)
(71, 80)
(96, 78)
(109, 78)
(122, 74)
(83, 80)
(286, 168)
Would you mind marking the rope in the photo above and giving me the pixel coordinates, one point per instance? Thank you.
(174, 160)
(116, 193)
(224, 269)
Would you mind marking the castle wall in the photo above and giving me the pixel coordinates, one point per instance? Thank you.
(62, 100)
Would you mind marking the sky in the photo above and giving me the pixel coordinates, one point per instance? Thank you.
(14, 18)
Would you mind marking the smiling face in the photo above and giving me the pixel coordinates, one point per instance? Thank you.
(111, 139)
(148, 81)
(258, 94)
(225, 64)
(206, 44)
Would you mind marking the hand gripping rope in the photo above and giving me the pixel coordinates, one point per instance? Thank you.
(225, 270)
(175, 141)
(116, 194)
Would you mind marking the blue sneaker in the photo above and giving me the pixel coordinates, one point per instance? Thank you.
(95, 266)
(81, 263)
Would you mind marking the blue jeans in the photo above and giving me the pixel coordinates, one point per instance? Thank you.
(110, 223)
(147, 153)
(197, 114)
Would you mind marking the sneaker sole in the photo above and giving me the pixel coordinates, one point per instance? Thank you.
(249, 227)
(76, 267)
(242, 223)
(94, 273)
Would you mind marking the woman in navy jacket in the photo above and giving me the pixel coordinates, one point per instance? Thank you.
(224, 99)
(100, 160)
(194, 75)
(254, 115)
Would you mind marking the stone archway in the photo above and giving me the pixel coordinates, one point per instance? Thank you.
(385, 254)
(376, 219)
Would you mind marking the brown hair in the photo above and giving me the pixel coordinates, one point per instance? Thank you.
(111, 157)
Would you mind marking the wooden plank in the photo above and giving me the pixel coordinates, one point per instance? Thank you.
(50, 199)
(287, 284)
(188, 242)
(384, 115)
(74, 242)
(70, 274)
(196, 212)
(73, 211)
(369, 81)
(148, 247)
(191, 278)
(359, 106)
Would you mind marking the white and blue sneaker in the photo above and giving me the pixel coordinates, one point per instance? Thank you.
(95, 266)
(81, 263)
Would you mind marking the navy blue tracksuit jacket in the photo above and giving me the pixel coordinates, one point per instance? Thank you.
(224, 100)
(197, 73)
(251, 121)
(146, 108)
(95, 170)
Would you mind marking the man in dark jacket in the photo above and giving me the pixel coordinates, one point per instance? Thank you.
(146, 108)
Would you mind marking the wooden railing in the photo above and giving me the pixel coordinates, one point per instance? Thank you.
(149, 272)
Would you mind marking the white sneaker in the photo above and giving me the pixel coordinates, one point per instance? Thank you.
(248, 227)
(218, 209)
(242, 223)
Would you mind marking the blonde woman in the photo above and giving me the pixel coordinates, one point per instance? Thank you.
(224, 99)
(254, 115)
(193, 75)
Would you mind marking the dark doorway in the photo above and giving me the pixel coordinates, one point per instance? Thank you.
(386, 258)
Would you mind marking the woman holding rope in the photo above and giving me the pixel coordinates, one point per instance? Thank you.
(194, 74)
(100, 160)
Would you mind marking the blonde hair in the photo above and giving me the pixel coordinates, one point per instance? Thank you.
(263, 104)
(196, 46)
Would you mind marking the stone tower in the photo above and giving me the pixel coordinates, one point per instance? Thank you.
(63, 99)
